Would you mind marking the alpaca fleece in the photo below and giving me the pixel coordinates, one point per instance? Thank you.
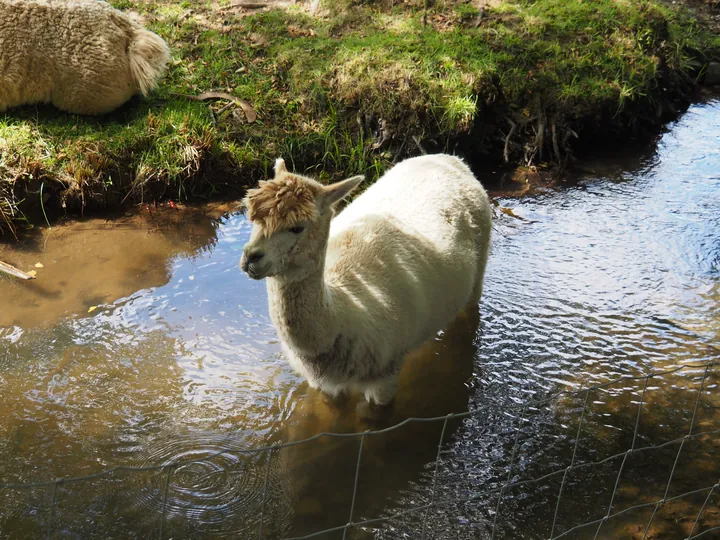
(281, 202)
(351, 295)
(82, 56)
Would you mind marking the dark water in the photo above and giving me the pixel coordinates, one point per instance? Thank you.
(143, 345)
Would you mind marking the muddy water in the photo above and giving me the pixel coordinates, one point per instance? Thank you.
(141, 344)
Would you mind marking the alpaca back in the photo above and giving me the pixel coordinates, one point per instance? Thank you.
(82, 56)
(434, 196)
(411, 250)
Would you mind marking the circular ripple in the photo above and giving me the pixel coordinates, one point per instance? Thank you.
(209, 490)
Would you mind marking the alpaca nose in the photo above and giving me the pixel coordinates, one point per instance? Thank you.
(254, 256)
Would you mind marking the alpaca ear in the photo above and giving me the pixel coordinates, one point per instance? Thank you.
(280, 166)
(336, 192)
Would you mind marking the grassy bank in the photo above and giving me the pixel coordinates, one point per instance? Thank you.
(351, 88)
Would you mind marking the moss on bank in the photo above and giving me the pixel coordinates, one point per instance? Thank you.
(352, 88)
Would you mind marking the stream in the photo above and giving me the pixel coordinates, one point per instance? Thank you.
(141, 344)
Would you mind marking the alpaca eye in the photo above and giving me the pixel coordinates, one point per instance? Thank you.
(296, 230)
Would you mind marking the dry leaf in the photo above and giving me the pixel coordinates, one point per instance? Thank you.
(509, 212)
(296, 31)
(258, 40)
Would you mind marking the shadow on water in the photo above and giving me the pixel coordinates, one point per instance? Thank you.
(615, 275)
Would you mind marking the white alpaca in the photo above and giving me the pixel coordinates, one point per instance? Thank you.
(351, 296)
(83, 56)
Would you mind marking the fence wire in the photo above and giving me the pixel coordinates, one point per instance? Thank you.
(508, 485)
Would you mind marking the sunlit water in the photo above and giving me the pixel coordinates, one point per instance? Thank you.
(141, 344)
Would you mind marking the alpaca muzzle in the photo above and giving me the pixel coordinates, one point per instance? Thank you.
(251, 263)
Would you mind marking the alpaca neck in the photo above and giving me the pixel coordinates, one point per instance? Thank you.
(302, 309)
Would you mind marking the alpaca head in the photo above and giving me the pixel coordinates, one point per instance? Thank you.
(291, 217)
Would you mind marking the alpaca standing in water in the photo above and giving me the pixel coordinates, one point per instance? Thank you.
(350, 296)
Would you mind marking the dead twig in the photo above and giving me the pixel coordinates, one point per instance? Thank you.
(8, 223)
(481, 14)
(417, 142)
(9, 269)
(225, 107)
(506, 152)
(398, 153)
(138, 185)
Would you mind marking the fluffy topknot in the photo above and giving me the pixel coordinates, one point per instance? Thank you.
(282, 202)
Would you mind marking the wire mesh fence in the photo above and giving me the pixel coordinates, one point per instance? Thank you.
(501, 491)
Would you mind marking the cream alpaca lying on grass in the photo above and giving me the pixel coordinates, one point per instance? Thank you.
(82, 56)
(350, 296)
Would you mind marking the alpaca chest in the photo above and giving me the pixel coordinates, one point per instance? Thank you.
(344, 362)
(336, 362)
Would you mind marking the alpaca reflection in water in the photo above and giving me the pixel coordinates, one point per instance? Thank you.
(320, 474)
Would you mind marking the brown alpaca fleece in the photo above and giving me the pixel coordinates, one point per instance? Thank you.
(82, 56)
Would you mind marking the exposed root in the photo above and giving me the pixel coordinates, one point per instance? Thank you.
(7, 220)
(506, 153)
(540, 136)
(556, 147)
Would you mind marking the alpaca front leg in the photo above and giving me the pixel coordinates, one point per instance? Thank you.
(382, 393)
(379, 399)
(335, 396)
(332, 394)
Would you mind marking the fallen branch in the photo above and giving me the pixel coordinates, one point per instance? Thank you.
(244, 5)
(9, 269)
(248, 109)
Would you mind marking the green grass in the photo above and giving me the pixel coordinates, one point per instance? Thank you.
(346, 92)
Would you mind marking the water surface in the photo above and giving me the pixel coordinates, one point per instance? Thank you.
(142, 344)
